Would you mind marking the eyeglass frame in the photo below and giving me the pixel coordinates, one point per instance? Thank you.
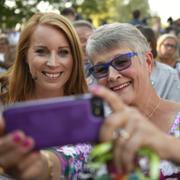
(106, 65)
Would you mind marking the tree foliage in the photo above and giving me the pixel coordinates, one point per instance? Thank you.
(113, 10)
(100, 11)
(125, 8)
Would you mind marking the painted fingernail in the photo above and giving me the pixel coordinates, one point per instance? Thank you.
(16, 137)
(27, 143)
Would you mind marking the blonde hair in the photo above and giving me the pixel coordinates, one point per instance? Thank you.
(160, 41)
(20, 84)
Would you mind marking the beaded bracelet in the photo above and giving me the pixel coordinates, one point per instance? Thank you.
(50, 163)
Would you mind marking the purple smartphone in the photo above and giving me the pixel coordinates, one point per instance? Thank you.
(57, 121)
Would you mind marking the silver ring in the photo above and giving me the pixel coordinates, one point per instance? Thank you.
(121, 133)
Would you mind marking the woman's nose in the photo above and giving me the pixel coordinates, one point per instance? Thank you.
(52, 60)
(113, 74)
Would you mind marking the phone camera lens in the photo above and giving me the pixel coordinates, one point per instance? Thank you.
(97, 106)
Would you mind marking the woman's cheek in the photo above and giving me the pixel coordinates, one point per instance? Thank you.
(129, 72)
(102, 81)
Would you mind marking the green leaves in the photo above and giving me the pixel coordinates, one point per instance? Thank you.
(154, 162)
(102, 153)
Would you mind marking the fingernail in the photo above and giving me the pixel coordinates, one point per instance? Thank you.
(16, 137)
(27, 143)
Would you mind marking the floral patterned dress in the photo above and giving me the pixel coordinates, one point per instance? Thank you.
(168, 169)
(72, 159)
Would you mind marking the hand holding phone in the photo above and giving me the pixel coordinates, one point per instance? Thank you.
(57, 121)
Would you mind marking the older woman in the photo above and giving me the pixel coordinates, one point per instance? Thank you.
(167, 49)
(122, 61)
(48, 64)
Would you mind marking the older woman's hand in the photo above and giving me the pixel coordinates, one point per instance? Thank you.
(132, 130)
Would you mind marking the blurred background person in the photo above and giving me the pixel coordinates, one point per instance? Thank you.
(167, 49)
(177, 30)
(136, 17)
(4, 44)
(71, 14)
(4, 52)
(157, 26)
(84, 29)
(170, 27)
(7, 52)
(164, 78)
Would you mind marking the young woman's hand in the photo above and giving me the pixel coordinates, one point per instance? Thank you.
(37, 165)
(18, 159)
(13, 147)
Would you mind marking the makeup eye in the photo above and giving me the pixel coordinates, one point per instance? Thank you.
(63, 52)
(41, 51)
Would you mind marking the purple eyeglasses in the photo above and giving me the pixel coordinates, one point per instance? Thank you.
(120, 62)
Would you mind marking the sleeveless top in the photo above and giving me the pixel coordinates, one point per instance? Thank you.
(167, 167)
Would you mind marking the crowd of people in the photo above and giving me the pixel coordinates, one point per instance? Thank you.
(119, 62)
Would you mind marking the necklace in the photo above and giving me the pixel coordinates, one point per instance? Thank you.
(154, 109)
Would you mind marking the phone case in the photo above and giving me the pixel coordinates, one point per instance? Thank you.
(57, 121)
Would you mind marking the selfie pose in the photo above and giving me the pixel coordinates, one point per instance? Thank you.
(122, 61)
(48, 64)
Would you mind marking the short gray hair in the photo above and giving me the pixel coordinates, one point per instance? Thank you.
(116, 35)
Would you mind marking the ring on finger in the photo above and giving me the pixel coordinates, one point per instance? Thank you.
(121, 133)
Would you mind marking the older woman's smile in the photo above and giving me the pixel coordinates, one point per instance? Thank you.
(120, 86)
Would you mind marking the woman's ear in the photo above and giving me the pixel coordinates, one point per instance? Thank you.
(149, 61)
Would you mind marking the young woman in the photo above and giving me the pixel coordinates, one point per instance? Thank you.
(48, 64)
